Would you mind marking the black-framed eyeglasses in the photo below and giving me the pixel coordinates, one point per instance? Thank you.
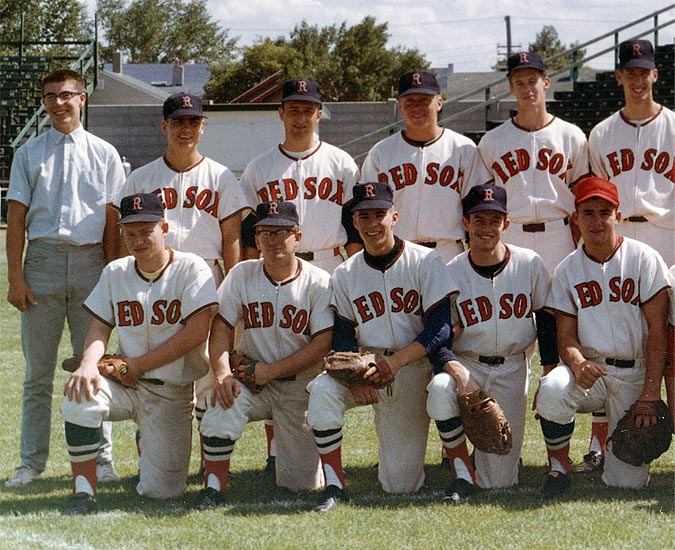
(267, 233)
(63, 96)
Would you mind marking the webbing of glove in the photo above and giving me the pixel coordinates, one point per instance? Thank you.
(484, 422)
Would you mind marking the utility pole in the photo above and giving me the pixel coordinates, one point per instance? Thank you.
(509, 44)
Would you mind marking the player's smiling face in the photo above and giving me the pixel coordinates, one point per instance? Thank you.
(275, 242)
(376, 228)
(485, 229)
(420, 111)
(300, 118)
(637, 83)
(65, 115)
(528, 86)
(183, 131)
(597, 219)
(145, 241)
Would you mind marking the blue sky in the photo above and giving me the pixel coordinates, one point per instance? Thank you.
(464, 33)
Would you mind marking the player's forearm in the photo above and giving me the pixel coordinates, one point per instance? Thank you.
(656, 348)
(15, 240)
(219, 348)
(111, 234)
(194, 332)
(409, 354)
(464, 382)
(96, 341)
(231, 242)
(301, 360)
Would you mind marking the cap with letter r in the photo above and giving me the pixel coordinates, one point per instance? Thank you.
(418, 82)
(183, 104)
(524, 60)
(483, 198)
(141, 207)
(301, 89)
(636, 53)
(372, 196)
(282, 213)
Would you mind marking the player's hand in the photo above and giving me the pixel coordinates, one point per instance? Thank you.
(262, 374)
(134, 373)
(384, 372)
(587, 373)
(85, 382)
(20, 295)
(225, 392)
(363, 394)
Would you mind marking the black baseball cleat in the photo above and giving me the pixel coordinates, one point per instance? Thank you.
(80, 504)
(458, 491)
(270, 469)
(555, 486)
(592, 462)
(208, 498)
(330, 498)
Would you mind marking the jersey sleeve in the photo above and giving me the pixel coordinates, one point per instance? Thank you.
(369, 169)
(229, 297)
(131, 185)
(340, 302)
(437, 283)
(475, 172)
(200, 289)
(100, 300)
(653, 276)
(230, 195)
(595, 156)
(560, 297)
(321, 316)
(578, 157)
(541, 283)
(248, 182)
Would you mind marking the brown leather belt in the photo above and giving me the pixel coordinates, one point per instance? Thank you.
(495, 360)
(636, 219)
(620, 363)
(539, 227)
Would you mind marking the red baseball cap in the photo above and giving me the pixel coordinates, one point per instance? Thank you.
(596, 187)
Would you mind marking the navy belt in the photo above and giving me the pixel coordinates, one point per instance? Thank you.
(620, 363)
(290, 378)
(636, 219)
(539, 227)
(429, 244)
(496, 360)
(307, 256)
(153, 381)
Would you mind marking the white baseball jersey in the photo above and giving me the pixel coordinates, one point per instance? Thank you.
(388, 306)
(496, 314)
(147, 313)
(429, 182)
(640, 160)
(318, 184)
(537, 168)
(196, 202)
(606, 298)
(276, 319)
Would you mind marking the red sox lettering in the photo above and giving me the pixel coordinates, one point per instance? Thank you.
(662, 163)
(590, 293)
(512, 163)
(261, 315)
(205, 199)
(406, 175)
(287, 190)
(400, 301)
(479, 309)
(131, 313)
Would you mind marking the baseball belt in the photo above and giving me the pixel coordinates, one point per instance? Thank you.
(540, 227)
(309, 256)
(620, 363)
(636, 219)
(491, 360)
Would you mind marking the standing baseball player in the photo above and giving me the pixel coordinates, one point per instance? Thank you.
(391, 299)
(282, 305)
(202, 198)
(429, 168)
(635, 148)
(610, 299)
(161, 302)
(314, 175)
(62, 190)
(538, 158)
(501, 291)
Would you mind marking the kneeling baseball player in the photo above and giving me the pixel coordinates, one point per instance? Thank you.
(501, 290)
(282, 304)
(161, 302)
(610, 299)
(396, 294)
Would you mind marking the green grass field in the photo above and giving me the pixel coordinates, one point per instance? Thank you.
(262, 516)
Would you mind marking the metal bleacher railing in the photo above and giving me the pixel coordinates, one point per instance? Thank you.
(357, 148)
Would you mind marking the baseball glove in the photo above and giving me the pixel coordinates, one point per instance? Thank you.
(246, 376)
(484, 422)
(350, 366)
(112, 366)
(639, 446)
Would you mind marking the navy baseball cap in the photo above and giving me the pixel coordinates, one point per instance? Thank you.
(372, 196)
(636, 53)
(183, 104)
(418, 82)
(301, 89)
(524, 60)
(282, 213)
(141, 207)
(483, 198)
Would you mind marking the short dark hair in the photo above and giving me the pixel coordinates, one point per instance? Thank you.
(61, 75)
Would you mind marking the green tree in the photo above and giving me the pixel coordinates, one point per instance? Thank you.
(349, 63)
(162, 31)
(44, 21)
